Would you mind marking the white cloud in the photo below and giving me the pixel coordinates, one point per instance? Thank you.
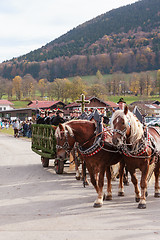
(28, 24)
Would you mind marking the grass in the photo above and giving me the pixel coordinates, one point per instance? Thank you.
(7, 131)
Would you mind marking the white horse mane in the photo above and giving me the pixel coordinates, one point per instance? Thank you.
(136, 126)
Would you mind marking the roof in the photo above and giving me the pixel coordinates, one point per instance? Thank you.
(5, 102)
(107, 103)
(42, 104)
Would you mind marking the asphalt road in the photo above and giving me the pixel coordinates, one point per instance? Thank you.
(36, 203)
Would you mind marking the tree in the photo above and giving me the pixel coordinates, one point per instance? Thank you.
(2, 87)
(158, 81)
(17, 87)
(42, 85)
(78, 88)
(28, 86)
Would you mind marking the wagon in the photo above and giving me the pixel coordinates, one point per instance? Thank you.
(44, 144)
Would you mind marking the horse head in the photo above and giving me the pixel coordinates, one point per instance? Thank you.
(65, 140)
(126, 127)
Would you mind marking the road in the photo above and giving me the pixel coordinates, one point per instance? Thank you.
(36, 203)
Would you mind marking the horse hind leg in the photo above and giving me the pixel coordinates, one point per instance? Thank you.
(121, 174)
(109, 185)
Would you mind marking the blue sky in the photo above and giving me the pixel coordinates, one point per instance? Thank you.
(26, 25)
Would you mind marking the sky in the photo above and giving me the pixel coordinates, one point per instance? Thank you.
(26, 25)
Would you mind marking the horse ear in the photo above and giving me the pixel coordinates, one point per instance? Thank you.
(126, 110)
(61, 127)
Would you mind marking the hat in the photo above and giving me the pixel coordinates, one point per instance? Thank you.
(121, 100)
(54, 110)
(50, 111)
(60, 111)
(42, 111)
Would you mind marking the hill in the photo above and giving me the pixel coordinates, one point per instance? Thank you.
(126, 39)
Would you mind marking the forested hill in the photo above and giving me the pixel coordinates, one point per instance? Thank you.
(125, 39)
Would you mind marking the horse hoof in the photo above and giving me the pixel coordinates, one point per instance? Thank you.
(146, 194)
(97, 205)
(137, 199)
(108, 198)
(78, 178)
(157, 195)
(141, 205)
(121, 194)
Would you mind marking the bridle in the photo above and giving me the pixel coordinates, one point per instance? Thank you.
(66, 145)
(123, 132)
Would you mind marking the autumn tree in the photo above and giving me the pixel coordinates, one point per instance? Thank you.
(77, 87)
(158, 81)
(42, 85)
(28, 86)
(9, 88)
(2, 87)
(17, 87)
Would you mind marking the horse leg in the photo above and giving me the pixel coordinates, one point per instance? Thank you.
(109, 185)
(156, 173)
(78, 176)
(99, 201)
(125, 177)
(135, 183)
(143, 184)
(84, 175)
(121, 174)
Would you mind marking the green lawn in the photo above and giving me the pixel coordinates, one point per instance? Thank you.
(7, 131)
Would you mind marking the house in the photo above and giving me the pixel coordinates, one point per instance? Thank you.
(46, 104)
(95, 103)
(5, 105)
(21, 113)
(147, 108)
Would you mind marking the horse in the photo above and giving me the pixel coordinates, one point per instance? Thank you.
(139, 151)
(98, 155)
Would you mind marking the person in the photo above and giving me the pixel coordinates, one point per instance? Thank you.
(40, 119)
(16, 128)
(59, 118)
(121, 104)
(53, 115)
(47, 119)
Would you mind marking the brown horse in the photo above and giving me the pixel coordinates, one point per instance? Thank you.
(138, 150)
(98, 155)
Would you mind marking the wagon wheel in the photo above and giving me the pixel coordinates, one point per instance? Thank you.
(45, 161)
(59, 166)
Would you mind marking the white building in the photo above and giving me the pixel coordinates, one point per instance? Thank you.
(5, 105)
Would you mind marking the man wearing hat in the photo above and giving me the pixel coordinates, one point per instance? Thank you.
(59, 118)
(53, 115)
(48, 117)
(40, 119)
(121, 104)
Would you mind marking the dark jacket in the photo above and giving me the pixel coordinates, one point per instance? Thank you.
(40, 120)
(57, 120)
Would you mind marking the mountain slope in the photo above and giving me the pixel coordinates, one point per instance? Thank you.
(125, 39)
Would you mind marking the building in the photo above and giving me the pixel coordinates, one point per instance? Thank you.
(5, 105)
(46, 104)
(21, 113)
(95, 103)
(147, 108)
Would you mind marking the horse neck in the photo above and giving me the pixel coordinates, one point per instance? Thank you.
(83, 131)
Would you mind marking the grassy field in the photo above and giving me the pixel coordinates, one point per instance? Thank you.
(7, 131)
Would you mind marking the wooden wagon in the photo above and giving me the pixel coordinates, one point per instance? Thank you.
(44, 144)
